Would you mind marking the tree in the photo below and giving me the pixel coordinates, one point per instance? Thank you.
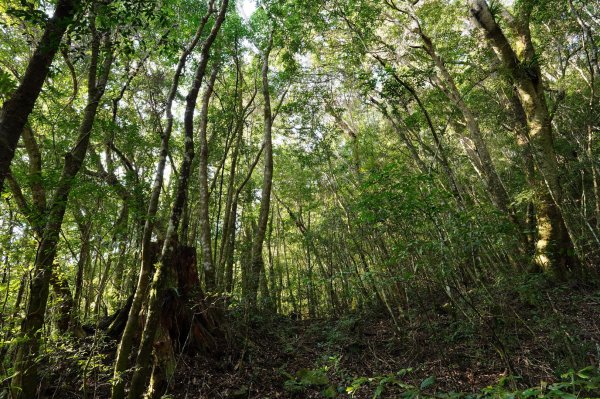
(17, 108)
(312, 160)
(166, 260)
(24, 383)
(526, 76)
(256, 260)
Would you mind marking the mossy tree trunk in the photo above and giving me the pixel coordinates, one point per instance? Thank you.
(26, 379)
(15, 111)
(256, 258)
(552, 247)
(160, 286)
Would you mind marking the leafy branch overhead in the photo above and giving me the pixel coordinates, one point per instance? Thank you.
(299, 198)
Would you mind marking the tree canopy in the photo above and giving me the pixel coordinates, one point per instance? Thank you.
(169, 166)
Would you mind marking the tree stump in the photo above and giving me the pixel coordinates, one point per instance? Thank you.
(189, 320)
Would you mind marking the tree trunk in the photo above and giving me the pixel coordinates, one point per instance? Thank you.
(229, 216)
(17, 108)
(230, 244)
(257, 261)
(188, 321)
(549, 225)
(26, 380)
(205, 234)
(229, 249)
(82, 261)
(159, 288)
(528, 82)
(482, 157)
(147, 265)
(119, 230)
(67, 320)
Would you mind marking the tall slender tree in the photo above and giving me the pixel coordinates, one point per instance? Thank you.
(26, 379)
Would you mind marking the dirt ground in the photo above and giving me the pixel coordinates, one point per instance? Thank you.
(447, 349)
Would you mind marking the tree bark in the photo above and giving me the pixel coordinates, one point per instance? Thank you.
(551, 232)
(256, 260)
(85, 228)
(528, 81)
(188, 321)
(482, 157)
(119, 229)
(17, 108)
(159, 286)
(26, 380)
(36, 215)
(229, 218)
(147, 266)
(205, 234)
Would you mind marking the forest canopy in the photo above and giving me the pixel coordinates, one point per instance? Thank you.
(192, 179)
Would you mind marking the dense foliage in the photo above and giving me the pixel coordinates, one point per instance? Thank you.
(169, 166)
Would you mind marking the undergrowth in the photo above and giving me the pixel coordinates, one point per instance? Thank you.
(584, 383)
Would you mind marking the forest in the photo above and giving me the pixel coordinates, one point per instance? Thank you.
(299, 199)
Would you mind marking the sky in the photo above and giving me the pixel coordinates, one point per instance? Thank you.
(246, 8)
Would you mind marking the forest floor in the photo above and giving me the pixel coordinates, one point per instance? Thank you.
(536, 334)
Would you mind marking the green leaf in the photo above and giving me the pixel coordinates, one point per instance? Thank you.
(329, 392)
(293, 386)
(427, 382)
